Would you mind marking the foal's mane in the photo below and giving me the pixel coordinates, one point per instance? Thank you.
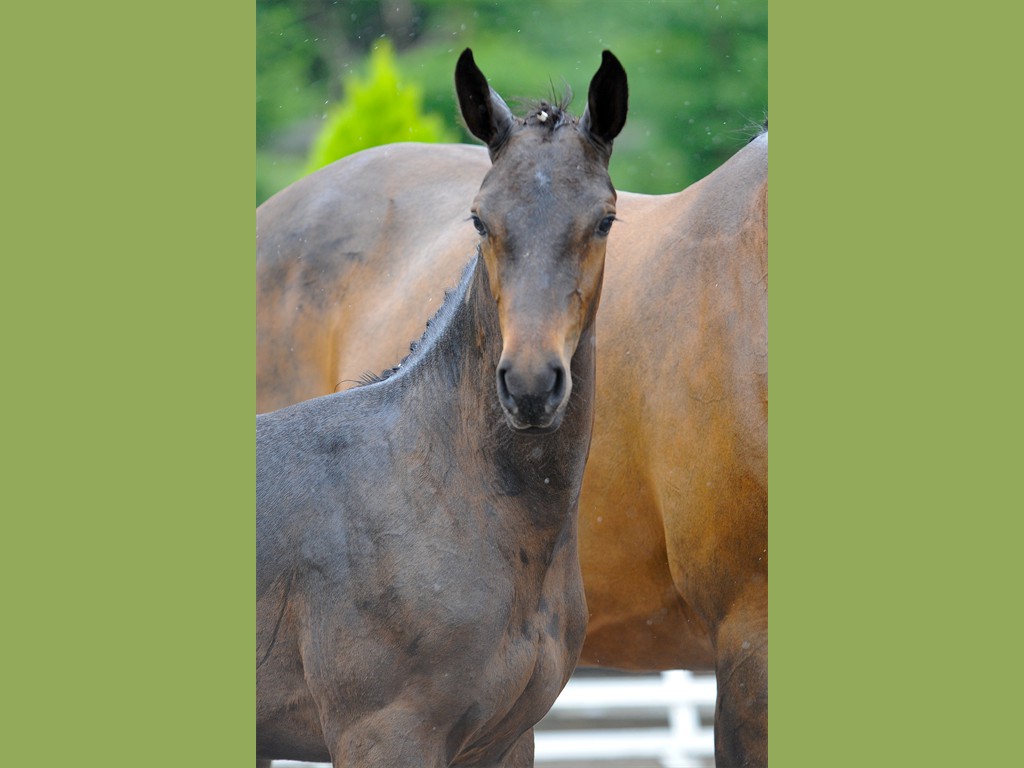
(552, 113)
(435, 328)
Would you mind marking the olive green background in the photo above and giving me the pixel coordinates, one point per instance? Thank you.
(128, 308)
(895, 417)
(128, 285)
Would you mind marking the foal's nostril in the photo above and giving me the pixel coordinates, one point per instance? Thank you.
(557, 391)
(503, 393)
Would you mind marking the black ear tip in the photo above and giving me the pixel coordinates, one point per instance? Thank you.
(467, 71)
(609, 59)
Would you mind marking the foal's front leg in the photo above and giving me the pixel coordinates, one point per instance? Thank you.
(521, 754)
(393, 737)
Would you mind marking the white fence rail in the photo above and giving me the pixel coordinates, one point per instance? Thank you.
(618, 721)
(667, 715)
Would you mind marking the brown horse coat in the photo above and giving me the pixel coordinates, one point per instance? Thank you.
(673, 515)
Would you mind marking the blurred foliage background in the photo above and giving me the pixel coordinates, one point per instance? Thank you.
(382, 70)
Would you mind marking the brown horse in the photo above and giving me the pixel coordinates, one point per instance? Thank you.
(419, 597)
(673, 515)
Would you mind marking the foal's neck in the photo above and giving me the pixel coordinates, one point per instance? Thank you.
(454, 367)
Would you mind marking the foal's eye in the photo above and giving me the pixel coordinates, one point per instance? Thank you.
(606, 225)
(479, 225)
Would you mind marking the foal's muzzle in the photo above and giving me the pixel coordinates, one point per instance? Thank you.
(533, 400)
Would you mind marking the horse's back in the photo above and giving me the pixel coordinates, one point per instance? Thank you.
(381, 223)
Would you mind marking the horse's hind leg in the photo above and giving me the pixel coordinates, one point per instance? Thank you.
(741, 714)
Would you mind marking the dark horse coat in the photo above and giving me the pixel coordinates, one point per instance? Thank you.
(419, 599)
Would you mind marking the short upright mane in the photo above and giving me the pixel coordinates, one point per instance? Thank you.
(435, 327)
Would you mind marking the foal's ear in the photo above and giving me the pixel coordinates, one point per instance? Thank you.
(486, 115)
(607, 103)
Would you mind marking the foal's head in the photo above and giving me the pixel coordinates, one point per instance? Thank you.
(543, 212)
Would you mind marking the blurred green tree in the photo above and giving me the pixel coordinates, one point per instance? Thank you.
(378, 110)
(698, 71)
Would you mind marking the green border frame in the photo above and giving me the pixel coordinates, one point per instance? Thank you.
(128, 542)
(129, 349)
(892, 335)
